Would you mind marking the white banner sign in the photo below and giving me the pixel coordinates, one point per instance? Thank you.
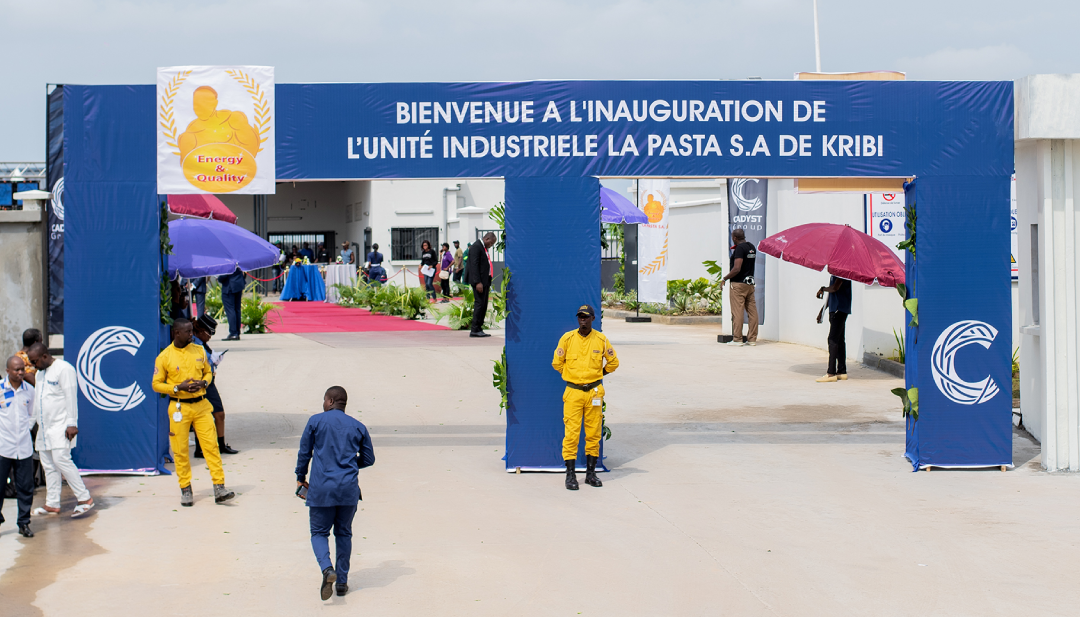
(885, 218)
(215, 130)
(653, 199)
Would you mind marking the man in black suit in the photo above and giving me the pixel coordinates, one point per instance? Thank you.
(480, 273)
(232, 292)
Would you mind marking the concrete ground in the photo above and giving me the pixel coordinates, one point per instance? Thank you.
(739, 487)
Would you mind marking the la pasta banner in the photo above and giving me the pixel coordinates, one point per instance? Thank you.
(653, 199)
(215, 130)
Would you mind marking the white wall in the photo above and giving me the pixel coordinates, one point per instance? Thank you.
(697, 222)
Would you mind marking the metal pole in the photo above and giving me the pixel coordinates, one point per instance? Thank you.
(817, 40)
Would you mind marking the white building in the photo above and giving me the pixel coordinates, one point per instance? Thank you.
(395, 214)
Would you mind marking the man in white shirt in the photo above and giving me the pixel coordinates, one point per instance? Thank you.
(57, 407)
(16, 450)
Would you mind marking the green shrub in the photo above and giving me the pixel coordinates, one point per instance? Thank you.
(253, 312)
(214, 306)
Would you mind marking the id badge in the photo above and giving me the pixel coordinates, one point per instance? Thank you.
(177, 416)
(596, 402)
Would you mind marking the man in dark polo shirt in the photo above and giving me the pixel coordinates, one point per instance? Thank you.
(741, 275)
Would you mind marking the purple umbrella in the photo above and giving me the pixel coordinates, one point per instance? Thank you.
(614, 208)
(213, 248)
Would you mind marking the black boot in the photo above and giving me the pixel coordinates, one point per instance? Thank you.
(198, 449)
(224, 447)
(590, 471)
(571, 477)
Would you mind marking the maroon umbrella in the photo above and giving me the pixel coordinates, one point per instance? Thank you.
(848, 253)
(200, 207)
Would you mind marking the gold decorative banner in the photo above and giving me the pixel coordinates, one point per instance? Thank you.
(216, 130)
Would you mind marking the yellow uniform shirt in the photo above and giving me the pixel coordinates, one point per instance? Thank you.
(174, 365)
(584, 359)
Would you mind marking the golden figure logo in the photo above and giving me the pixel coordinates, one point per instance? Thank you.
(653, 209)
(217, 150)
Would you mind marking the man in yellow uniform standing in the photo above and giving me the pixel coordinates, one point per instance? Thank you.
(182, 372)
(583, 357)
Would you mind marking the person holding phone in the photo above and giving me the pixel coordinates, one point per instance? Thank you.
(337, 447)
(182, 372)
(205, 328)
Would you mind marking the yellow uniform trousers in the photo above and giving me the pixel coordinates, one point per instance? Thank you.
(578, 406)
(200, 415)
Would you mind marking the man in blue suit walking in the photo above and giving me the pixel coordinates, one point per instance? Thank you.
(338, 447)
(232, 292)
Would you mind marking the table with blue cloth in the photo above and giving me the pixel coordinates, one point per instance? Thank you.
(304, 283)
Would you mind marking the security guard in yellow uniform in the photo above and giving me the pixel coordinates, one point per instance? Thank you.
(182, 372)
(583, 357)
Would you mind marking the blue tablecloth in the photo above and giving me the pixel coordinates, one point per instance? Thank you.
(304, 283)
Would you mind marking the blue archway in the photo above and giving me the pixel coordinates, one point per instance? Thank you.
(956, 138)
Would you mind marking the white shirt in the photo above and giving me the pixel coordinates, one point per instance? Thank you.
(57, 405)
(16, 420)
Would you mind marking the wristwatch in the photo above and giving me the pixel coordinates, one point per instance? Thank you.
(175, 389)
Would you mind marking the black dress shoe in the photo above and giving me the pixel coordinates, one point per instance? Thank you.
(24, 531)
(328, 579)
(478, 334)
(342, 589)
(231, 338)
(224, 447)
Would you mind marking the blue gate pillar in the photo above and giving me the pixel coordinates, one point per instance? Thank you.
(959, 354)
(553, 253)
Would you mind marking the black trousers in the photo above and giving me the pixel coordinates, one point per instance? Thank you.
(837, 346)
(445, 284)
(24, 485)
(231, 304)
(479, 311)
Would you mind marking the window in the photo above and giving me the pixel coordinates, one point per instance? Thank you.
(298, 239)
(405, 241)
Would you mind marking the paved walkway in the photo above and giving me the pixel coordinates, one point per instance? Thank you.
(739, 487)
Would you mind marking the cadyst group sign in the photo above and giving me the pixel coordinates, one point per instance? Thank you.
(215, 129)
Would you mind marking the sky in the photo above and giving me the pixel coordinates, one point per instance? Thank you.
(123, 42)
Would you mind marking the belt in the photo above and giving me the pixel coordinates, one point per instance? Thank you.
(187, 400)
(584, 387)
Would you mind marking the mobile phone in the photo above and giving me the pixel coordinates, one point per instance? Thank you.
(301, 491)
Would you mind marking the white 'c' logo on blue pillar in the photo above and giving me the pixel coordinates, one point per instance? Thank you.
(943, 362)
(93, 351)
(745, 204)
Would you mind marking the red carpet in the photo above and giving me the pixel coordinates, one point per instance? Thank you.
(297, 317)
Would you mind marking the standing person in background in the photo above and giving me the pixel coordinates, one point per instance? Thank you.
(278, 268)
(480, 273)
(205, 327)
(16, 447)
(338, 447)
(741, 275)
(839, 291)
(182, 373)
(198, 296)
(444, 271)
(347, 256)
(322, 255)
(429, 260)
(459, 261)
(29, 337)
(376, 274)
(306, 252)
(232, 293)
(56, 403)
